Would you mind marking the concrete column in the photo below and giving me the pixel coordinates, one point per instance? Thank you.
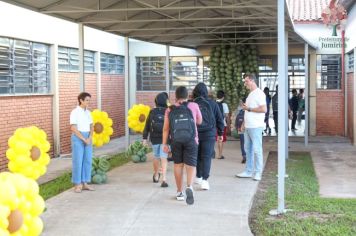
(127, 92)
(55, 101)
(306, 95)
(98, 78)
(282, 104)
(312, 94)
(167, 70)
(354, 91)
(81, 57)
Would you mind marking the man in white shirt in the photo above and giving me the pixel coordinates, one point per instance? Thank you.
(255, 109)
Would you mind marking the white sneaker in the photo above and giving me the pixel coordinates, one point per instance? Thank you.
(244, 175)
(257, 177)
(205, 185)
(198, 180)
(180, 196)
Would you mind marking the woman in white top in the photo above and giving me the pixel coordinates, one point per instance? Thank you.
(82, 150)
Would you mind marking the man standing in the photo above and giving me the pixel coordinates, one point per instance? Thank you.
(255, 109)
(293, 104)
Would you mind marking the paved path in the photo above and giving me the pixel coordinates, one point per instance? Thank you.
(130, 204)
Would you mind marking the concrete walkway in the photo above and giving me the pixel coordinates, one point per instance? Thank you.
(130, 204)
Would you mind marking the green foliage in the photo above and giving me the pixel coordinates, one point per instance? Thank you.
(311, 215)
(228, 63)
(99, 168)
(138, 152)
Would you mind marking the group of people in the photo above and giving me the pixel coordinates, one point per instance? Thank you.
(187, 131)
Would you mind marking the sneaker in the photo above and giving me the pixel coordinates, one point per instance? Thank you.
(205, 185)
(243, 160)
(244, 175)
(154, 178)
(257, 177)
(164, 184)
(190, 195)
(222, 157)
(180, 196)
(198, 180)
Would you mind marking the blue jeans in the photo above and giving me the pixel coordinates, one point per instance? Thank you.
(254, 150)
(242, 145)
(205, 154)
(82, 155)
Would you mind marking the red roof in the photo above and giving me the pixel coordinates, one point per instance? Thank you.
(306, 10)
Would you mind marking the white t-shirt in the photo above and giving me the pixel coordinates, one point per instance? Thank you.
(81, 118)
(226, 111)
(255, 99)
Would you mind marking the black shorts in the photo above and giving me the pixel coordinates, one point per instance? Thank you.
(186, 153)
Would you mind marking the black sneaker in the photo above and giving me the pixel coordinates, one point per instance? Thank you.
(164, 184)
(243, 160)
(189, 196)
(222, 157)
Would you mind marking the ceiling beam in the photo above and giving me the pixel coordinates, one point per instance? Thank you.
(175, 20)
(201, 33)
(191, 27)
(152, 8)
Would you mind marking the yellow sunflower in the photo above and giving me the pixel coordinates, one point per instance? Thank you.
(27, 152)
(137, 117)
(102, 127)
(20, 205)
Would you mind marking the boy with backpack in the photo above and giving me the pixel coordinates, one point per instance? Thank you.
(154, 128)
(239, 122)
(212, 123)
(180, 122)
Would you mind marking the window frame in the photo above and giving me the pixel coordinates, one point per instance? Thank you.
(319, 72)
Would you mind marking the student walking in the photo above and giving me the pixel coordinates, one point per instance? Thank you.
(212, 122)
(255, 109)
(154, 129)
(224, 109)
(180, 121)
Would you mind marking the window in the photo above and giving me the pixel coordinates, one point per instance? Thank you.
(24, 67)
(328, 71)
(112, 64)
(68, 60)
(185, 72)
(296, 72)
(150, 73)
(351, 62)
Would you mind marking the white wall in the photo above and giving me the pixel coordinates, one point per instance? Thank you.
(350, 30)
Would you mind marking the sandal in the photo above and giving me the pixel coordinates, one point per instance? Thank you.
(87, 187)
(154, 178)
(77, 189)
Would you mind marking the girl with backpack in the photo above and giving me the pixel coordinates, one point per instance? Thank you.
(154, 129)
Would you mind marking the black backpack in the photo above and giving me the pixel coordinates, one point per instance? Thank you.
(221, 107)
(181, 124)
(207, 114)
(157, 121)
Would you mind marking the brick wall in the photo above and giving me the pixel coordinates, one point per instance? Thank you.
(330, 112)
(350, 105)
(113, 101)
(24, 111)
(68, 93)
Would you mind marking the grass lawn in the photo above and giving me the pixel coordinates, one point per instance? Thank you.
(311, 215)
(63, 182)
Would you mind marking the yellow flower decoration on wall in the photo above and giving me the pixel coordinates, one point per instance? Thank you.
(137, 117)
(20, 206)
(102, 127)
(27, 152)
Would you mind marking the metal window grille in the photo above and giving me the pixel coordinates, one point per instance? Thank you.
(24, 67)
(112, 64)
(328, 72)
(68, 60)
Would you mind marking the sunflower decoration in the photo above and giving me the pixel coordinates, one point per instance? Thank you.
(102, 127)
(137, 117)
(20, 205)
(27, 152)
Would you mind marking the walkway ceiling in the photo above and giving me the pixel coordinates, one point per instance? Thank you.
(186, 23)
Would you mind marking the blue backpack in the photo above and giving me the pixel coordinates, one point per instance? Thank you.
(181, 124)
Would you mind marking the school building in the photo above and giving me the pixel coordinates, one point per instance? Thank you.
(40, 69)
